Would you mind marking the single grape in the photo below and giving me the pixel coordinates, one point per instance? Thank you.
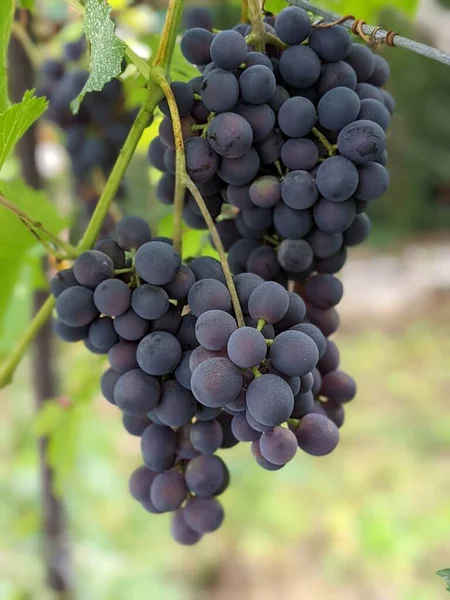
(195, 46)
(158, 447)
(270, 400)
(70, 334)
(278, 99)
(186, 332)
(130, 326)
(278, 446)
(337, 178)
(205, 475)
(257, 84)
(317, 435)
(362, 141)
(269, 149)
(169, 322)
(216, 382)
(102, 334)
(263, 262)
(168, 491)
(240, 171)
(228, 233)
(295, 256)
(292, 25)
(159, 353)
(209, 294)
(297, 116)
(294, 353)
(183, 371)
(203, 515)
(136, 393)
(327, 320)
(389, 101)
(228, 50)
(220, 91)
(135, 425)
(335, 412)
(300, 154)
(300, 66)
(206, 436)
(185, 449)
(207, 267)
(155, 154)
(177, 405)
(93, 267)
(381, 71)
(373, 181)
(336, 74)
(230, 135)
(75, 306)
(338, 107)
(265, 191)
(247, 347)
(334, 217)
(323, 290)
(330, 359)
(331, 43)
(269, 301)
(112, 297)
(207, 413)
(140, 482)
(367, 90)
(263, 462)
(63, 280)
(373, 110)
(157, 263)
(358, 231)
(132, 232)
(303, 405)
(291, 223)
(201, 354)
(122, 356)
(150, 301)
(214, 328)
(332, 264)
(107, 384)
(201, 161)
(338, 387)
(362, 59)
(324, 244)
(299, 189)
(239, 253)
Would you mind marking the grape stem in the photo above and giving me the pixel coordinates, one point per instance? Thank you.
(377, 34)
(324, 141)
(41, 233)
(244, 11)
(256, 19)
(256, 372)
(261, 324)
(10, 365)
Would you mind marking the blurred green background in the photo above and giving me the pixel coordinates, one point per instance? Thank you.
(369, 522)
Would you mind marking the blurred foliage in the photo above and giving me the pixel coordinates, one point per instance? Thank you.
(444, 3)
(418, 199)
(370, 521)
(445, 574)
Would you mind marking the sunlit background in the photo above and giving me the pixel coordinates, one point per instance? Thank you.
(369, 522)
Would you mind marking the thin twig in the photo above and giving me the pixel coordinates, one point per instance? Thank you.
(257, 23)
(379, 34)
(37, 228)
(29, 47)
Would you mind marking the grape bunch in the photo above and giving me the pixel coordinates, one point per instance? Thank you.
(187, 379)
(95, 135)
(287, 147)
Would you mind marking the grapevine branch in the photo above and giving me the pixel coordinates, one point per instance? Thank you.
(38, 230)
(378, 35)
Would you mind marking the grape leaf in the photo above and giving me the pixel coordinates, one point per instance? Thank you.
(6, 18)
(180, 68)
(107, 51)
(15, 121)
(27, 4)
(445, 574)
(18, 246)
(368, 10)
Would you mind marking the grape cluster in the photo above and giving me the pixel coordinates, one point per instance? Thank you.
(288, 147)
(187, 379)
(95, 135)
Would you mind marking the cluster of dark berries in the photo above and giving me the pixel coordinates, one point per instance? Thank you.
(95, 135)
(187, 379)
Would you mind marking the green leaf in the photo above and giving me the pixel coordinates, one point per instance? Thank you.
(27, 4)
(17, 119)
(18, 247)
(107, 51)
(6, 19)
(180, 68)
(445, 574)
(369, 10)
